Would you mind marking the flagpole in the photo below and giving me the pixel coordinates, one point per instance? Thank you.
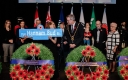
(49, 3)
(81, 4)
(62, 4)
(93, 4)
(36, 4)
(72, 3)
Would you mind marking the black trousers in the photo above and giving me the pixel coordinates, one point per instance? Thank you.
(101, 47)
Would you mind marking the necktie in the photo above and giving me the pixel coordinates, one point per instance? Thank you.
(72, 28)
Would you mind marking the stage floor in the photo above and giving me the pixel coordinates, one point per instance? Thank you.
(5, 73)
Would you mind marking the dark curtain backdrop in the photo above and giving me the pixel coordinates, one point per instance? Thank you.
(11, 9)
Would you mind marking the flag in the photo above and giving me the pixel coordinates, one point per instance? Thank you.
(71, 10)
(93, 19)
(36, 16)
(82, 16)
(48, 18)
(104, 21)
(61, 19)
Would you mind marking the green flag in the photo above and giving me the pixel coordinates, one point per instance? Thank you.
(93, 20)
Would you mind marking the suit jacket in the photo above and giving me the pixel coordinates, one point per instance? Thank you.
(60, 41)
(102, 37)
(78, 37)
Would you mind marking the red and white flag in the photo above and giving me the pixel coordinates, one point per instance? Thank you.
(36, 16)
(104, 21)
(48, 18)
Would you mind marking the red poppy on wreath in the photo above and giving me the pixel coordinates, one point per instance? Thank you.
(74, 68)
(16, 78)
(28, 51)
(13, 74)
(71, 78)
(31, 73)
(33, 46)
(42, 72)
(84, 53)
(88, 48)
(126, 67)
(47, 77)
(37, 51)
(17, 67)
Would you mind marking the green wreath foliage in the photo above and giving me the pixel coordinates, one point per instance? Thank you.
(124, 52)
(20, 53)
(44, 54)
(75, 56)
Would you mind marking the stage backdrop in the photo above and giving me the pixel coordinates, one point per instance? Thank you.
(11, 9)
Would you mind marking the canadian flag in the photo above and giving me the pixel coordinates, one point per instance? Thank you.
(48, 18)
(104, 21)
(36, 17)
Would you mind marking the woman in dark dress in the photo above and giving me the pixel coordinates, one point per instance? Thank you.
(7, 40)
(51, 44)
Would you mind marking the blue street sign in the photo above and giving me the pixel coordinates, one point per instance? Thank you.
(40, 34)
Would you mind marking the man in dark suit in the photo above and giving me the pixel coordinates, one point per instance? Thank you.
(100, 37)
(74, 32)
(62, 45)
(38, 24)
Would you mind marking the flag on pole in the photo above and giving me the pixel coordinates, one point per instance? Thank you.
(82, 16)
(93, 19)
(48, 18)
(71, 10)
(61, 19)
(36, 16)
(104, 21)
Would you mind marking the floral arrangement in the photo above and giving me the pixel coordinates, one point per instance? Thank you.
(44, 72)
(124, 71)
(74, 73)
(88, 52)
(33, 50)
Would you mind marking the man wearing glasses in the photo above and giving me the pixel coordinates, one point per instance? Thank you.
(100, 37)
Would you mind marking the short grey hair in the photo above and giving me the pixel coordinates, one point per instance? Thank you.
(71, 16)
(113, 23)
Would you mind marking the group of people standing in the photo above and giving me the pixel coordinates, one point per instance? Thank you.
(74, 35)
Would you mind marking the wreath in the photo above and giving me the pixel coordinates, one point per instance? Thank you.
(123, 64)
(43, 72)
(72, 70)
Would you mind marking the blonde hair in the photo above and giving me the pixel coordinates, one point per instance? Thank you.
(6, 24)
